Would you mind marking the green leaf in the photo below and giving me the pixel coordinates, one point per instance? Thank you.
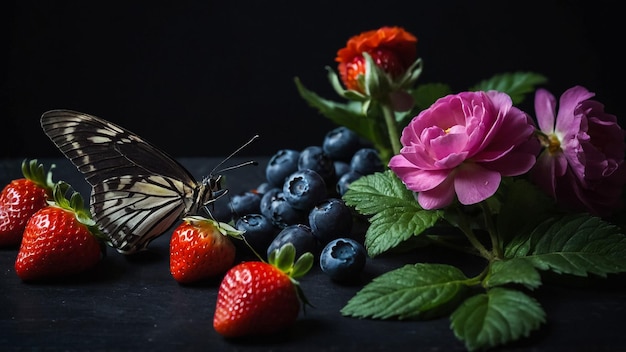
(573, 244)
(426, 95)
(351, 115)
(396, 214)
(375, 193)
(348, 115)
(410, 292)
(516, 85)
(513, 271)
(496, 318)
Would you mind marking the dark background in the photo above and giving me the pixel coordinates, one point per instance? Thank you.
(198, 78)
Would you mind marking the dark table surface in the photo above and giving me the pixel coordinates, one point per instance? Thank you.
(133, 303)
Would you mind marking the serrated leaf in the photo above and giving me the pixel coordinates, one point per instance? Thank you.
(513, 271)
(573, 244)
(375, 193)
(393, 226)
(396, 214)
(496, 318)
(409, 292)
(516, 85)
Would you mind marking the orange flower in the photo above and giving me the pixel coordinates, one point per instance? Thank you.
(392, 48)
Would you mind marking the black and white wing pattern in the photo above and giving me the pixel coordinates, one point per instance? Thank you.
(138, 192)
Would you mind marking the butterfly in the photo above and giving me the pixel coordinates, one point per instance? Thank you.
(138, 191)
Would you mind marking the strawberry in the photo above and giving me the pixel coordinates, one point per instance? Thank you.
(257, 298)
(200, 249)
(60, 239)
(387, 60)
(21, 198)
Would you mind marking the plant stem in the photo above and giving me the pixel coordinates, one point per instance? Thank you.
(465, 228)
(392, 128)
(491, 229)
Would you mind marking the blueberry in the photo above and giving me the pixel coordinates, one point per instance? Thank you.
(282, 164)
(330, 219)
(259, 231)
(341, 167)
(282, 213)
(304, 188)
(266, 201)
(314, 158)
(263, 188)
(345, 181)
(343, 259)
(341, 143)
(299, 235)
(366, 161)
(245, 203)
(220, 210)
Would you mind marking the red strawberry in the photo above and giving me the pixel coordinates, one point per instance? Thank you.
(257, 298)
(59, 240)
(200, 249)
(386, 59)
(21, 198)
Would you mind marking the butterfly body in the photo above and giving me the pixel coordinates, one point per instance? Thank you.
(138, 191)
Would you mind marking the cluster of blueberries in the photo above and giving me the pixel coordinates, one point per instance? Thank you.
(300, 202)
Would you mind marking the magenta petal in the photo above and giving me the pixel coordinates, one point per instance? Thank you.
(545, 108)
(473, 183)
(399, 161)
(420, 180)
(416, 180)
(513, 164)
(567, 122)
(438, 197)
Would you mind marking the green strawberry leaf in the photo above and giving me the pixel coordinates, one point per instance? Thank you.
(302, 265)
(516, 85)
(496, 318)
(35, 172)
(513, 271)
(284, 258)
(396, 215)
(577, 244)
(412, 291)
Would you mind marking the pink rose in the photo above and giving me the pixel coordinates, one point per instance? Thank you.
(463, 144)
(582, 165)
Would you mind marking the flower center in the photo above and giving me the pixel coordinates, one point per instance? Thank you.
(555, 145)
(551, 142)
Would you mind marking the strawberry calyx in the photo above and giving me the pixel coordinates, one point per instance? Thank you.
(74, 204)
(223, 228)
(36, 173)
(284, 259)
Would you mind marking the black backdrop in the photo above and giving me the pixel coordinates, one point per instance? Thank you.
(198, 78)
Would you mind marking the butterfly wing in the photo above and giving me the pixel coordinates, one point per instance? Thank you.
(138, 191)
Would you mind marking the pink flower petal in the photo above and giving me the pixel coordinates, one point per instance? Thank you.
(567, 122)
(438, 197)
(473, 183)
(545, 109)
(416, 180)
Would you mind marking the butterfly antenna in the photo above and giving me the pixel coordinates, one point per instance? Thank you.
(251, 162)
